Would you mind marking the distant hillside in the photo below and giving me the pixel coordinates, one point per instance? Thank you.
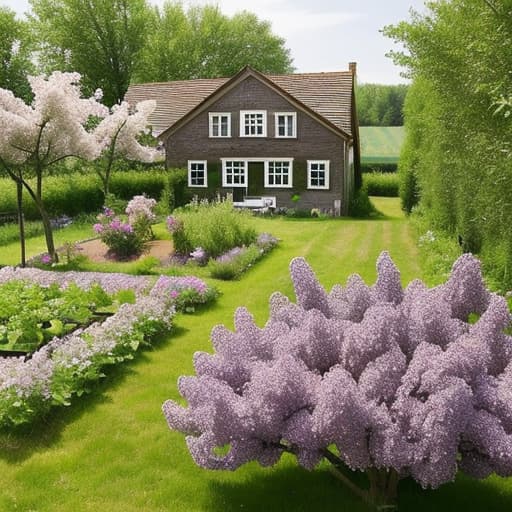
(380, 144)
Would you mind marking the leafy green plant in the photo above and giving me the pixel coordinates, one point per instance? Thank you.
(383, 184)
(31, 314)
(214, 226)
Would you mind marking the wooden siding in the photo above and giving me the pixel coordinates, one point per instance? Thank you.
(313, 142)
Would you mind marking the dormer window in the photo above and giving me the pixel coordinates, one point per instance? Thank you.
(253, 123)
(286, 125)
(220, 124)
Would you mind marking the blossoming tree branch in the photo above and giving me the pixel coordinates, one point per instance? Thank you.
(56, 126)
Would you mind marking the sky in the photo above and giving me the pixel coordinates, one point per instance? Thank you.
(323, 35)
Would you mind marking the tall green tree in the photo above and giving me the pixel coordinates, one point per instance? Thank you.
(201, 42)
(15, 54)
(458, 138)
(101, 39)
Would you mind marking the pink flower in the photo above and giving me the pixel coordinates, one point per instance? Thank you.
(98, 228)
(46, 259)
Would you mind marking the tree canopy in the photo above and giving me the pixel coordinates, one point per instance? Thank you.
(114, 42)
(100, 39)
(458, 128)
(15, 50)
(380, 105)
(201, 42)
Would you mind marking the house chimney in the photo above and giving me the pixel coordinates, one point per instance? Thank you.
(352, 66)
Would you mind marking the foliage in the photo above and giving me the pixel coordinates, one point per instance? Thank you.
(101, 40)
(185, 44)
(458, 128)
(232, 264)
(380, 105)
(360, 205)
(381, 184)
(214, 226)
(15, 47)
(32, 314)
(401, 382)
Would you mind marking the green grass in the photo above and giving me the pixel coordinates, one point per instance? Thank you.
(112, 450)
(381, 144)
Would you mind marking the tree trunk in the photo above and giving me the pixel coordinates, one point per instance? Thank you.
(383, 491)
(45, 218)
(21, 221)
(383, 488)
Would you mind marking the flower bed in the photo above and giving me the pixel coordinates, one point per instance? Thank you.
(65, 366)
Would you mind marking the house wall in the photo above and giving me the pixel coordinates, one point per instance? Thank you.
(313, 142)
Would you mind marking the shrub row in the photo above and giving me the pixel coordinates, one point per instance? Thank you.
(381, 184)
(77, 193)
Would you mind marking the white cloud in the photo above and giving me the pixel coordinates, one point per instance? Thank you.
(285, 17)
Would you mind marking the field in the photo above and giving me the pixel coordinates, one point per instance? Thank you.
(381, 144)
(112, 450)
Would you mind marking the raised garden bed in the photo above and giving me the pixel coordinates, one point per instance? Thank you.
(66, 364)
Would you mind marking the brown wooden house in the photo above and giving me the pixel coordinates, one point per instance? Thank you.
(270, 140)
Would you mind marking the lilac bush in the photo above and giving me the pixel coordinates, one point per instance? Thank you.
(414, 382)
(120, 237)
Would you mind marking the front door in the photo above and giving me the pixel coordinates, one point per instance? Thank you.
(255, 179)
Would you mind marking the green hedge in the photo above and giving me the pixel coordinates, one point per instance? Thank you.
(381, 184)
(77, 193)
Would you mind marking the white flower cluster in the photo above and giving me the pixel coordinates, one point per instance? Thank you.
(54, 126)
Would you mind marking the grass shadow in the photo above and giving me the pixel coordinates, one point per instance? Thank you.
(290, 489)
(296, 490)
(20, 443)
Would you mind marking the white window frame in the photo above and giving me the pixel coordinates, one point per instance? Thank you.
(293, 115)
(205, 173)
(225, 162)
(326, 164)
(267, 163)
(220, 115)
(244, 113)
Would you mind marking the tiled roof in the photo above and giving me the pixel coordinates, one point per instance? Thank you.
(327, 94)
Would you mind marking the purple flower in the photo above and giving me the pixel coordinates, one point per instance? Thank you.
(108, 212)
(126, 228)
(98, 228)
(46, 259)
(173, 224)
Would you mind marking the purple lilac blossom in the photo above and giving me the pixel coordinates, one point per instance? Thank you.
(397, 379)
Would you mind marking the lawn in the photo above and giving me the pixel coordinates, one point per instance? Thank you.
(381, 144)
(112, 450)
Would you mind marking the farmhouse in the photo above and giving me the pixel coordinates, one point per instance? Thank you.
(270, 140)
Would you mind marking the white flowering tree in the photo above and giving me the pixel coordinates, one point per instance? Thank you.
(118, 135)
(52, 128)
(56, 126)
